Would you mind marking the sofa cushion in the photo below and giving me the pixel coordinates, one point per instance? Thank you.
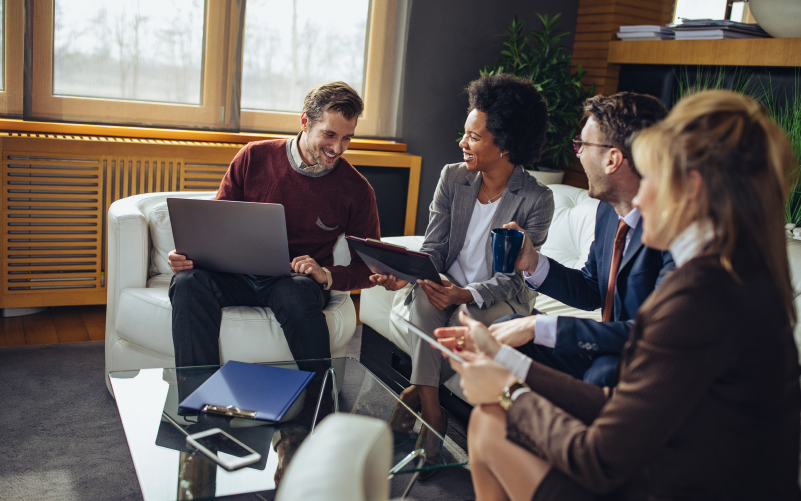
(161, 239)
(572, 228)
(247, 334)
(794, 256)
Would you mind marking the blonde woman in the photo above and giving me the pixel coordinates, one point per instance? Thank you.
(708, 401)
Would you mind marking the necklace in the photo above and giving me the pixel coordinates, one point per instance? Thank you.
(489, 198)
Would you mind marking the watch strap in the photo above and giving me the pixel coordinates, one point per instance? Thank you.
(505, 400)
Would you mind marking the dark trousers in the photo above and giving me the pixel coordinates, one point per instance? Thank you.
(198, 296)
(600, 370)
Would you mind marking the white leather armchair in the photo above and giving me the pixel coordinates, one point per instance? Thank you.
(139, 314)
(347, 458)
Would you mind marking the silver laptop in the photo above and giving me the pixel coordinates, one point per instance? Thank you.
(231, 237)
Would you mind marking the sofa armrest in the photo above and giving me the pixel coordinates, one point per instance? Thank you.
(129, 250)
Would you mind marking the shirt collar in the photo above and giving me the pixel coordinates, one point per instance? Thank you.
(691, 241)
(632, 219)
(310, 169)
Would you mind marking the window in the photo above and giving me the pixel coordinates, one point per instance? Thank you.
(130, 62)
(364, 49)
(710, 9)
(219, 64)
(290, 48)
(12, 20)
(120, 50)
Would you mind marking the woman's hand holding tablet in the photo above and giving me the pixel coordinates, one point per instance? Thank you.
(473, 337)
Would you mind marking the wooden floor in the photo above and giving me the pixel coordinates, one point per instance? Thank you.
(63, 324)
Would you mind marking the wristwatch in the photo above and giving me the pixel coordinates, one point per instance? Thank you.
(506, 399)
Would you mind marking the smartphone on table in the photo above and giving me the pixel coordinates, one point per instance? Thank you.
(223, 449)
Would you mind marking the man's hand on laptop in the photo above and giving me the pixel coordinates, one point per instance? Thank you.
(307, 265)
(178, 262)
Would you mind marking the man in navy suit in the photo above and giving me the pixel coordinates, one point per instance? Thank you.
(584, 348)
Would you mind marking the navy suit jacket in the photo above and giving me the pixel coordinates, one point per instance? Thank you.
(641, 270)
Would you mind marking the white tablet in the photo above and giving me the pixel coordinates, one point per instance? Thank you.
(428, 338)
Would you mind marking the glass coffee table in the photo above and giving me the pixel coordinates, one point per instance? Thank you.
(170, 469)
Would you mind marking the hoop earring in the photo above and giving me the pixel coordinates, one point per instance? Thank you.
(501, 154)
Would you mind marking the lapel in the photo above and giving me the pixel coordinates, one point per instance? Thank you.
(506, 210)
(464, 201)
(634, 245)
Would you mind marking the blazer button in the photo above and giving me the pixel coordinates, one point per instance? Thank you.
(581, 345)
(594, 346)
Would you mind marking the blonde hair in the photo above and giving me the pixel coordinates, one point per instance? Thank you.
(745, 162)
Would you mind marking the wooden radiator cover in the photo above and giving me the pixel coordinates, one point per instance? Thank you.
(57, 190)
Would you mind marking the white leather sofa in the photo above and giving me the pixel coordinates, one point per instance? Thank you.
(139, 314)
(569, 239)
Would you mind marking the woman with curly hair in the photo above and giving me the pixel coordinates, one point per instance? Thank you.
(504, 131)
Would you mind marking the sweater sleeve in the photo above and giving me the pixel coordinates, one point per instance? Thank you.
(232, 184)
(362, 223)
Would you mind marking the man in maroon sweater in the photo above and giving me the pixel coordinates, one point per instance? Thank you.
(323, 196)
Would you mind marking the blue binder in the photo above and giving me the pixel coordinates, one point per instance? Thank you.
(256, 391)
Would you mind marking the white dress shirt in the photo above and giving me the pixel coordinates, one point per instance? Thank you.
(544, 325)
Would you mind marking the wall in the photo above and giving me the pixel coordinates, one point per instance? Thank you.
(448, 42)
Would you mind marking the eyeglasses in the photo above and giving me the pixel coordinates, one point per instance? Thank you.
(578, 144)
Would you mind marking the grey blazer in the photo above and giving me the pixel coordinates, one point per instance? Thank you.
(524, 201)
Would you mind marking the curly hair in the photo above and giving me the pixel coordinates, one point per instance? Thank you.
(621, 115)
(517, 115)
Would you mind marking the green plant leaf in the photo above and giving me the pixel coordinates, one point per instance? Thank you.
(537, 55)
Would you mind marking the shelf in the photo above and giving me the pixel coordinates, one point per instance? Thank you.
(736, 52)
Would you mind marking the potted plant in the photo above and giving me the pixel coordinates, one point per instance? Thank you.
(536, 54)
(785, 111)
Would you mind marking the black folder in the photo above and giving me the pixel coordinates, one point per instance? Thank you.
(388, 259)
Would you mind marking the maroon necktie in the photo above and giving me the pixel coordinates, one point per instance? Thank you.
(617, 255)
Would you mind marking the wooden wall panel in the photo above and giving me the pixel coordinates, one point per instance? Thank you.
(597, 26)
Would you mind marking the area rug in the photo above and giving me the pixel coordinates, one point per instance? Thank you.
(61, 437)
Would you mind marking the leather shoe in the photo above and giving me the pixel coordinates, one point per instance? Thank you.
(401, 422)
(432, 445)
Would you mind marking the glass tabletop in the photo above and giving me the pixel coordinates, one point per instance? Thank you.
(168, 468)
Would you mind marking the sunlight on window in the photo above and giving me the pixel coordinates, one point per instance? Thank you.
(291, 46)
(700, 9)
(140, 50)
(2, 45)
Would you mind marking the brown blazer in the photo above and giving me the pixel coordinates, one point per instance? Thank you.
(708, 401)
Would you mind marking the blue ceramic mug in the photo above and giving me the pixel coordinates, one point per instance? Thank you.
(506, 245)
